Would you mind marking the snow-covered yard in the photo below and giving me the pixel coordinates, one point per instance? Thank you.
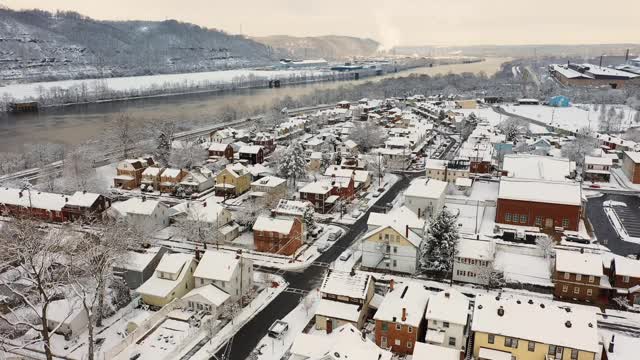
(524, 268)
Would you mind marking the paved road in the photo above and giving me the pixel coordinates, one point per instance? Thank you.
(248, 337)
(604, 230)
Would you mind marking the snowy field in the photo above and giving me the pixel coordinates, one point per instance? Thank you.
(32, 90)
(494, 118)
(571, 118)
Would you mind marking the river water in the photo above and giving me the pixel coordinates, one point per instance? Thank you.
(77, 124)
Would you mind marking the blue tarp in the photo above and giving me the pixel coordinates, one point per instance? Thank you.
(559, 101)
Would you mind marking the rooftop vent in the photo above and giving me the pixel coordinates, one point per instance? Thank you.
(501, 311)
(567, 323)
(530, 302)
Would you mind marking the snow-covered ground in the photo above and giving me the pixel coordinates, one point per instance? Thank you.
(571, 118)
(32, 90)
(524, 268)
(494, 118)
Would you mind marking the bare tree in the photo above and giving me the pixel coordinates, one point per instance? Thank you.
(77, 172)
(196, 226)
(123, 135)
(581, 146)
(512, 127)
(367, 136)
(188, 155)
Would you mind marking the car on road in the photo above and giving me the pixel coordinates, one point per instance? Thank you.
(335, 235)
(346, 255)
(355, 213)
(316, 231)
(323, 247)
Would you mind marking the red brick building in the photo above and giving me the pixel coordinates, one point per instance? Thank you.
(624, 275)
(221, 151)
(631, 165)
(276, 235)
(252, 154)
(51, 207)
(543, 204)
(324, 194)
(400, 318)
(580, 276)
(266, 141)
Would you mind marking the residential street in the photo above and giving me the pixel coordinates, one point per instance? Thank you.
(249, 336)
(604, 231)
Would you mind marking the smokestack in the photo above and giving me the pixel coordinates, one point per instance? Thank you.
(611, 344)
(406, 231)
(404, 314)
(601, 56)
(626, 56)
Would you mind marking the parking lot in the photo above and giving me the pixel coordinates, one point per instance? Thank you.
(603, 229)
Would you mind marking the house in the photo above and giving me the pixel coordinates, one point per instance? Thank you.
(151, 178)
(624, 275)
(272, 187)
(173, 278)
(580, 276)
(314, 144)
(473, 263)
(619, 346)
(507, 327)
(348, 147)
(253, 154)
(314, 162)
(447, 171)
(266, 141)
(208, 212)
(292, 208)
(400, 317)
(543, 204)
(37, 204)
(67, 317)
(206, 298)
(466, 104)
(362, 178)
(345, 342)
(221, 151)
(277, 235)
(224, 136)
(198, 180)
(447, 317)
(324, 193)
(170, 179)
(129, 172)
(425, 197)
(394, 159)
(392, 241)
(597, 169)
(424, 351)
(537, 167)
(631, 165)
(345, 298)
(83, 205)
(144, 214)
(136, 267)
(232, 181)
(229, 272)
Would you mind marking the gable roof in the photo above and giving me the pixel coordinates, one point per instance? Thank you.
(210, 293)
(411, 296)
(426, 188)
(345, 342)
(578, 263)
(548, 192)
(217, 265)
(354, 285)
(448, 305)
(279, 225)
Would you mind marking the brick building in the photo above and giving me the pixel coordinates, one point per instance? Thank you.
(324, 194)
(580, 276)
(624, 276)
(591, 75)
(221, 151)
(543, 204)
(631, 165)
(252, 154)
(277, 235)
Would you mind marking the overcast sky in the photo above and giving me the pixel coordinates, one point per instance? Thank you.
(392, 22)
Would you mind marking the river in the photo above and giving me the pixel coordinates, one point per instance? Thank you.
(76, 124)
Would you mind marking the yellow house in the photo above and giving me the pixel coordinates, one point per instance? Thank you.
(233, 181)
(510, 327)
(173, 278)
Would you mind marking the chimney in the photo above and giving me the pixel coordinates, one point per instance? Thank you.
(391, 285)
(501, 311)
(204, 204)
(404, 314)
(66, 199)
(581, 250)
(406, 231)
(611, 344)
(419, 215)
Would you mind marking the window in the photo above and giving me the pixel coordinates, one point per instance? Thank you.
(523, 219)
(578, 277)
(445, 324)
(625, 279)
(410, 329)
(398, 342)
(510, 342)
(565, 223)
(409, 344)
(395, 263)
(589, 292)
(574, 354)
(515, 218)
(398, 327)
(491, 339)
(538, 220)
(565, 288)
(532, 346)
(452, 341)
(552, 350)
(591, 278)
(567, 276)
(507, 217)
(395, 249)
(385, 326)
(576, 290)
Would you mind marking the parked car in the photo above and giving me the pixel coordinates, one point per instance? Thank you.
(316, 231)
(346, 255)
(335, 235)
(323, 247)
(355, 213)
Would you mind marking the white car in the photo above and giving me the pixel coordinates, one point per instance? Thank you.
(346, 255)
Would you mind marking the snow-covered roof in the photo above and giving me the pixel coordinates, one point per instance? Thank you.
(398, 219)
(339, 310)
(137, 205)
(579, 263)
(597, 160)
(152, 171)
(279, 225)
(566, 193)
(156, 286)
(464, 182)
(448, 305)
(633, 155)
(317, 187)
(83, 199)
(435, 164)
(527, 319)
(172, 263)
(345, 342)
(626, 266)
(64, 310)
(354, 285)
(138, 261)
(34, 198)
(568, 72)
(409, 296)
(210, 293)
(207, 211)
(250, 149)
(358, 175)
(606, 71)
(218, 147)
(475, 249)
(172, 173)
(350, 144)
(625, 347)
(426, 188)
(292, 207)
(491, 354)
(269, 181)
(536, 167)
(217, 265)
(423, 351)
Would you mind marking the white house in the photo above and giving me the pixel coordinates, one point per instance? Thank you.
(474, 261)
(424, 351)
(205, 298)
(345, 342)
(447, 316)
(393, 241)
(229, 272)
(425, 197)
(173, 278)
(146, 215)
(198, 180)
(66, 317)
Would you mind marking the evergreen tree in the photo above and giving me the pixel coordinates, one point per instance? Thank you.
(439, 244)
(292, 164)
(308, 219)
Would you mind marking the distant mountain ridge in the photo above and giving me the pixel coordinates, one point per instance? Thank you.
(38, 45)
(331, 47)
